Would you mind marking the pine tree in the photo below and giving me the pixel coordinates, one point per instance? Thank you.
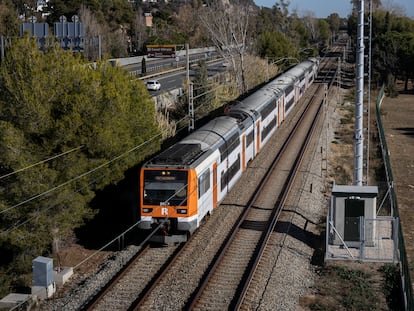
(51, 102)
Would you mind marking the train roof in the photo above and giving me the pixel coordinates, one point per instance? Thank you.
(201, 142)
(306, 65)
(252, 104)
(177, 155)
(213, 133)
(293, 75)
(198, 144)
(255, 101)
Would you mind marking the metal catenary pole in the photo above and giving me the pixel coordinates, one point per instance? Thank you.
(358, 135)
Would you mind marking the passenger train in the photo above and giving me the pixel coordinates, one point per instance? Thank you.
(184, 183)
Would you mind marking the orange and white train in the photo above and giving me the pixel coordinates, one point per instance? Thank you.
(184, 183)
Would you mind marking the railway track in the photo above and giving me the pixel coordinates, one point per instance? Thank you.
(131, 284)
(290, 231)
(177, 287)
(226, 282)
(179, 296)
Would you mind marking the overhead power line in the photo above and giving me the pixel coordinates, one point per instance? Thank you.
(78, 177)
(41, 162)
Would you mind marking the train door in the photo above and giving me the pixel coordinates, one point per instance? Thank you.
(243, 153)
(258, 136)
(297, 91)
(279, 111)
(215, 198)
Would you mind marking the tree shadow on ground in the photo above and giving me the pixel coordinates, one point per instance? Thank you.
(117, 210)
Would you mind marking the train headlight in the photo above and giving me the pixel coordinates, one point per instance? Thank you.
(147, 210)
(182, 211)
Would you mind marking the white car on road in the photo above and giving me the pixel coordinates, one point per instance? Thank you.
(153, 85)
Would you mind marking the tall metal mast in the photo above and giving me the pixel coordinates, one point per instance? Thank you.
(369, 92)
(359, 135)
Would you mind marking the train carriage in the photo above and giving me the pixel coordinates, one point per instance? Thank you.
(265, 109)
(184, 183)
(207, 164)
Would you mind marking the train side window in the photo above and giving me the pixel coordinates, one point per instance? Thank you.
(204, 183)
(230, 173)
(266, 130)
(249, 138)
(231, 144)
(288, 90)
(267, 109)
(223, 152)
(289, 104)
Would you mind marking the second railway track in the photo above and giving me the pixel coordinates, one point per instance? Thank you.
(174, 290)
(225, 283)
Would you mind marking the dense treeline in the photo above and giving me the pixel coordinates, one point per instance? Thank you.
(392, 48)
(122, 24)
(272, 32)
(92, 121)
(52, 103)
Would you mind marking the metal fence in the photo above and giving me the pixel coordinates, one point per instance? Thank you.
(405, 272)
(378, 241)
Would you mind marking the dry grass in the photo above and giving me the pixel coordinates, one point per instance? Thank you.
(341, 148)
(350, 285)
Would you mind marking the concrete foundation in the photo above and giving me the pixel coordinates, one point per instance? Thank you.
(62, 275)
(13, 299)
(44, 292)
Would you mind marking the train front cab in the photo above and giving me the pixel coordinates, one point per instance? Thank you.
(168, 203)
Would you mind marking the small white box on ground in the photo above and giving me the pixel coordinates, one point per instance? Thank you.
(42, 292)
(62, 275)
(13, 299)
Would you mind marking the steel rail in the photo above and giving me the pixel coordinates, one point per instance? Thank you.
(251, 269)
(136, 305)
(227, 242)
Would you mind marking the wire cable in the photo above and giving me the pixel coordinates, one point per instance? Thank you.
(41, 162)
(18, 225)
(79, 176)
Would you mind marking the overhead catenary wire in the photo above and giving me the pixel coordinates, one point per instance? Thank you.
(76, 178)
(79, 176)
(17, 224)
(154, 231)
(41, 162)
(133, 226)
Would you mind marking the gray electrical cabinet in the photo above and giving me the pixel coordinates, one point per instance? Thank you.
(42, 271)
(353, 211)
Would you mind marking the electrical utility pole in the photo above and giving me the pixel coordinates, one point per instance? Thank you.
(359, 135)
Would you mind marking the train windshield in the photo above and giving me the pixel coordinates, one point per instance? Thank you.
(165, 187)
